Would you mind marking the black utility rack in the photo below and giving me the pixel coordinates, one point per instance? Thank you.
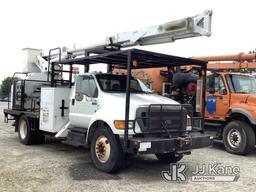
(129, 60)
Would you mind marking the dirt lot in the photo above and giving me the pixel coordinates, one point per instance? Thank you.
(58, 167)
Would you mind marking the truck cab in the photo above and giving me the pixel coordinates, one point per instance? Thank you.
(95, 93)
(230, 109)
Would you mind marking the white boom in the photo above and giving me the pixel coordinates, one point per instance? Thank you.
(198, 25)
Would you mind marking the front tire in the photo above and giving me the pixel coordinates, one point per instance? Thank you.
(106, 150)
(238, 137)
(168, 157)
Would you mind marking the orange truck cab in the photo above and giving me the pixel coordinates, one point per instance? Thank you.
(230, 112)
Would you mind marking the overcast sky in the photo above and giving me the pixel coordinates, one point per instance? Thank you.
(47, 24)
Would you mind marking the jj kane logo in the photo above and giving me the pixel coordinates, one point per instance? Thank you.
(202, 173)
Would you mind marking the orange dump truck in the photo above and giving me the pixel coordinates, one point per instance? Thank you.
(230, 113)
(231, 101)
(231, 110)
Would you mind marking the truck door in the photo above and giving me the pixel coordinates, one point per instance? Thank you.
(217, 98)
(84, 103)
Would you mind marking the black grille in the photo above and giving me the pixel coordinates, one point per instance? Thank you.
(162, 118)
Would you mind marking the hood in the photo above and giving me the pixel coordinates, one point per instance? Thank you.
(137, 99)
(116, 102)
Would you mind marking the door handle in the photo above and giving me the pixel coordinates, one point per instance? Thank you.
(94, 103)
(219, 96)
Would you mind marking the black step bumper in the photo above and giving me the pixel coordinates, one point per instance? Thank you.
(165, 145)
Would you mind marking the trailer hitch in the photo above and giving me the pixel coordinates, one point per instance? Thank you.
(184, 141)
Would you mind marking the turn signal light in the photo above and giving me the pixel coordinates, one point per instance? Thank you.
(120, 124)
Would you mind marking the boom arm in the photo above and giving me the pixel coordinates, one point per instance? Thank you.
(198, 25)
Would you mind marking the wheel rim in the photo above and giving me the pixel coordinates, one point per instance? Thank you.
(102, 149)
(234, 138)
(23, 129)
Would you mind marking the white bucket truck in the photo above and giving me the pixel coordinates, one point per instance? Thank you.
(112, 114)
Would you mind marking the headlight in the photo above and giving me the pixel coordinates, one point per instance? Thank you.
(120, 124)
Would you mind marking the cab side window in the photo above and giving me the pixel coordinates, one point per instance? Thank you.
(93, 90)
(216, 83)
(86, 85)
(219, 84)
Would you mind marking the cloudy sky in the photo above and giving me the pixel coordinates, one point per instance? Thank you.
(47, 24)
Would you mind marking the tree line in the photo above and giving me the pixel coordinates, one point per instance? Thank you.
(6, 86)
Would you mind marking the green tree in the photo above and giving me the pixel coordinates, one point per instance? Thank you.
(6, 86)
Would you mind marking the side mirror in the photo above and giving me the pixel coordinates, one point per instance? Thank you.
(211, 90)
(79, 97)
(223, 92)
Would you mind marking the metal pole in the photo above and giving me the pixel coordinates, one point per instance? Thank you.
(203, 95)
(127, 102)
(70, 75)
(49, 62)
(86, 67)
(52, 75)
(236, 57)
(109, 68)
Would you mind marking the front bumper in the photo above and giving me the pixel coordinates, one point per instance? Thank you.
(164, 145)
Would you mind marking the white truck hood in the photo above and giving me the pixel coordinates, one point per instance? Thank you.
(141, 99)
(111, 107)
(117, 101)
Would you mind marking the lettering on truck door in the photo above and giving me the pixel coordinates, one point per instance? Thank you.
(217, 103)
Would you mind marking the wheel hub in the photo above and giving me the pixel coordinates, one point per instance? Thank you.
(23, 128)
(234, 138)
(102, 149)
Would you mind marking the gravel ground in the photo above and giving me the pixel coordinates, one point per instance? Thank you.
(58, 167)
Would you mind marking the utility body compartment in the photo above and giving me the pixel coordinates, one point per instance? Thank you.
(54, 108)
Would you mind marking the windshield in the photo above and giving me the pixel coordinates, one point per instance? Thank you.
(117, 83)
(242, 83)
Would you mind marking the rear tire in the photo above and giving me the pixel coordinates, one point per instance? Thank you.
(168, 157)
(106, 150)
(27, 136)
(238, 137)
